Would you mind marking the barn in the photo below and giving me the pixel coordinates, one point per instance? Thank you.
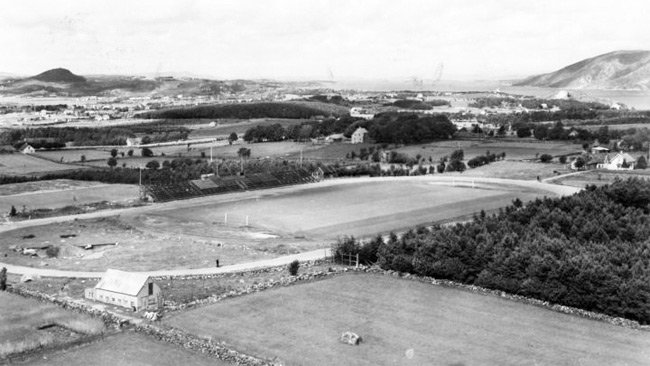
(130, 290)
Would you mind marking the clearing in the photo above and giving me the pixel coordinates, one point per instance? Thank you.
(405, 322)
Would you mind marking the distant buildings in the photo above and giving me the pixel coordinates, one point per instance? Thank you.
(360, 113)
(26, 149)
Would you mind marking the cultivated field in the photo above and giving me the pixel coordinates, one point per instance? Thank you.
(20, 164)
(20, 319)
(126, 349)
(404, 322)
(53, 197)
(509, 169)
(515, 150)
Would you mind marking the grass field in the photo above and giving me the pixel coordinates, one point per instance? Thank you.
(56, 198)
(22, 317)
(21, 164)
(408, 323)
(125, 349)
(601, 177)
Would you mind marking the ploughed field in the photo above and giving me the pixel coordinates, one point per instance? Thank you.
(359, 209)
(404, 322)
(27, 325)
(126, 349)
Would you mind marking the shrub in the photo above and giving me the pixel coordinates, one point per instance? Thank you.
(3, 279)
(562, 159)
(146, 152)
(642, 163)
(545, 158)
(293, 267)
(52, 252)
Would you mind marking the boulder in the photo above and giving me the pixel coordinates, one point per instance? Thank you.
(350, 338)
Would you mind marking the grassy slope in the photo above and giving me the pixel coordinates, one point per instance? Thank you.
(409, 323)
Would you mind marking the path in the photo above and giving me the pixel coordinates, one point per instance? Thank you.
(306, 256)
(274, 262)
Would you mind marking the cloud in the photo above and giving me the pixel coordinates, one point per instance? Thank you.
(291, 38)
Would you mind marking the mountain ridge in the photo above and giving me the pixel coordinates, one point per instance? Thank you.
(59, 75)
(617, 70)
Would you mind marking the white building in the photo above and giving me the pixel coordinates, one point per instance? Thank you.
(130, 290)
(359, 136)
(360, 113)
(620, 161)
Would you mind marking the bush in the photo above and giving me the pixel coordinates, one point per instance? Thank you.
(146, 152)
(562, 159)
(642, 163)
(293, 267)
(52, 252)
(545, 158)
(3, 279)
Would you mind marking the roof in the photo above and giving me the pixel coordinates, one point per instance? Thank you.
(128, 283)
(361, 130)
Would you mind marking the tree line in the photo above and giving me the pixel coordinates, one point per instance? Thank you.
(589, 250)
(241, 111)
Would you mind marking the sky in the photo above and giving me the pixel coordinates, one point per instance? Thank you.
(312, 39)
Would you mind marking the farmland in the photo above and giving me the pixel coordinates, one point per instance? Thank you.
(125, 349)
(20, 164)
(52, 198)
(514, 149)
(407, 322)
(22, 317)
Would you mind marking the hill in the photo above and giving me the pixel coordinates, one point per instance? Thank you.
(59, 76)
(614, 70)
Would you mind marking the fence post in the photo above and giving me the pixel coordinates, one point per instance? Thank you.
(357, 265)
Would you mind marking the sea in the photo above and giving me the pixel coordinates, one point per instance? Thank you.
(637, 99)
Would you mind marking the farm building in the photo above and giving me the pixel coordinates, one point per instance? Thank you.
(26, 149)
(359, 136)
(126, 289)
(620, 161)
(133, 141)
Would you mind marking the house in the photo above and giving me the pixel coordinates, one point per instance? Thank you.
(359, 136)
(26, 149)
(130, 290)
(620, 161)
(133, 141)
(337, 137)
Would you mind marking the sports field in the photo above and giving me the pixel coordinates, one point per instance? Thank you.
(281, 221)
(359, 209)
(405, 322)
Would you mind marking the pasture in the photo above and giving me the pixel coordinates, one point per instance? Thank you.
(21, 164)
(21, 319)
(125, 349)
(405, 322)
